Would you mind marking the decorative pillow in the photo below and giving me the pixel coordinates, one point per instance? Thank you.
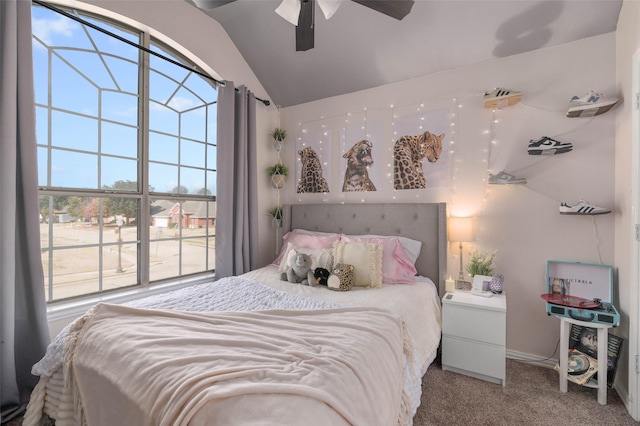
(306, 240)
(317, 233)
(366, 259)
(397, 267)
(411, 247)
(320, 258)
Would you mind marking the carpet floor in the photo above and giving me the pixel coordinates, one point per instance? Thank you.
(531, 396)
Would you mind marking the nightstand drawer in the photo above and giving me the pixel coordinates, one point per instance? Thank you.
(477, 324)
(488, 360)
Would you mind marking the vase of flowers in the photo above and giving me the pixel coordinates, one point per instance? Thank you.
(480, 263)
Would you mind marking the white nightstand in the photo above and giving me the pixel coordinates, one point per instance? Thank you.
(474, 335)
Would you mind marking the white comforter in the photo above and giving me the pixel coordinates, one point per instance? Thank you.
(172, 368)
(417, 304)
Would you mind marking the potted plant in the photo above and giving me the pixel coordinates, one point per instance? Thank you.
(480, 263)
(278, 136)
(278, 172)
(276, 216)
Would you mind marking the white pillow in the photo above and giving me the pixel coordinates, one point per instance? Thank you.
(411, 247)
(366, 259)
(320, 258)
(316, 233)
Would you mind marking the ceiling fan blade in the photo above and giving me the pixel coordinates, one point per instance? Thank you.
(397, 9)
(304, 30)
(289, 10)
(329, 7)
(211, 4)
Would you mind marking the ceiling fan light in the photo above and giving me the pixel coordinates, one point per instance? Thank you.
(289, 10)
(329, 7)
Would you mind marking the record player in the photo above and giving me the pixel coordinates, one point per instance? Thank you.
(581, 291)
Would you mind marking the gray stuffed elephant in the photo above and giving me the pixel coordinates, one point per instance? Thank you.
(300, 270)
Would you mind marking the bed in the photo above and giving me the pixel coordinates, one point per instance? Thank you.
(255, 349)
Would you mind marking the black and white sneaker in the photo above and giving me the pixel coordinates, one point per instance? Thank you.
(582, 208)
(500, 97)
(548, 146)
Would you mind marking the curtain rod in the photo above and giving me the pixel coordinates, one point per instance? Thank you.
(266, 102)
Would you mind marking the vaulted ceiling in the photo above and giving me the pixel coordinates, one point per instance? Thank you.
(359, 48)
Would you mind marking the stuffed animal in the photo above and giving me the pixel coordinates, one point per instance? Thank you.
(299, 270)
(341, 279)
(321, 275)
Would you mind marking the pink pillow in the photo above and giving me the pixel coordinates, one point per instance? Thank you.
(306, 241)
(397, 267)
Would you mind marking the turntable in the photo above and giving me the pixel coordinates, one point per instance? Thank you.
(580, 291)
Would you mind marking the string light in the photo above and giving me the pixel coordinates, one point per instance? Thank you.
(348, 120)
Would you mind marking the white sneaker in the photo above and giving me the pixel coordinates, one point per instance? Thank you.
(504, 178)
(590, 104)
(501, 98)
(582, 208)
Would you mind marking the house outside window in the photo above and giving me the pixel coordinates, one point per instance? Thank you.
(126, 158)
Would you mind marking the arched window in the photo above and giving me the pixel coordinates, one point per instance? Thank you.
(124, 138)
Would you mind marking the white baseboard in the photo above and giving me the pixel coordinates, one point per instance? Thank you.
(532, 359)
(624, 396)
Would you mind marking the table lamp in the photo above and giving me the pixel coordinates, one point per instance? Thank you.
(461, 231)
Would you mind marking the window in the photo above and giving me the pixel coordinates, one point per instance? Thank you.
(126, 157)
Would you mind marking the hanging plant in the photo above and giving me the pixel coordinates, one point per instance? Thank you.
(276, 216)
(279, 169)
(480, 263)
(278, 136)
(278, 173)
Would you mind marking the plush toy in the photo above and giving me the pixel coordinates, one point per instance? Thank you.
(321, 275)
(341, 279)
(299, 270)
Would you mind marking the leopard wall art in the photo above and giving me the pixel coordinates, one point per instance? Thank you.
(408, 155)
(359, 159)
(311, 176)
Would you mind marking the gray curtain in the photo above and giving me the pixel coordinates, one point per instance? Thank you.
(237, 197)
(23, 315)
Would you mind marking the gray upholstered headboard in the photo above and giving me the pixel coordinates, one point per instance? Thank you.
(425, 222)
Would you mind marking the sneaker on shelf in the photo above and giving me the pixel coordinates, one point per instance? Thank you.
(590, 104)
(582, 208)
(504, 178)
(501, 98)
(548, 146)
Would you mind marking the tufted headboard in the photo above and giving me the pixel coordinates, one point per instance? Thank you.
(425, 222)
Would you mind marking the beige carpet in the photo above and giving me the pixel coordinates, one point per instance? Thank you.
(531, 397)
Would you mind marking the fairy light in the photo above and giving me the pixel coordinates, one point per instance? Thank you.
(487, 161)
(456, 162)
(349, 124)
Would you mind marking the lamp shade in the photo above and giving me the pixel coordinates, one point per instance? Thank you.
(460, 229)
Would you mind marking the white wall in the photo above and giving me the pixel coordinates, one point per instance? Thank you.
(521, 222)
(626, 160)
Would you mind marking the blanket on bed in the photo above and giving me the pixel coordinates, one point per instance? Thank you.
(150, 367)
(227, 294)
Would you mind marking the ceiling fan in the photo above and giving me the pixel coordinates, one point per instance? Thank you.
(301, 13)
